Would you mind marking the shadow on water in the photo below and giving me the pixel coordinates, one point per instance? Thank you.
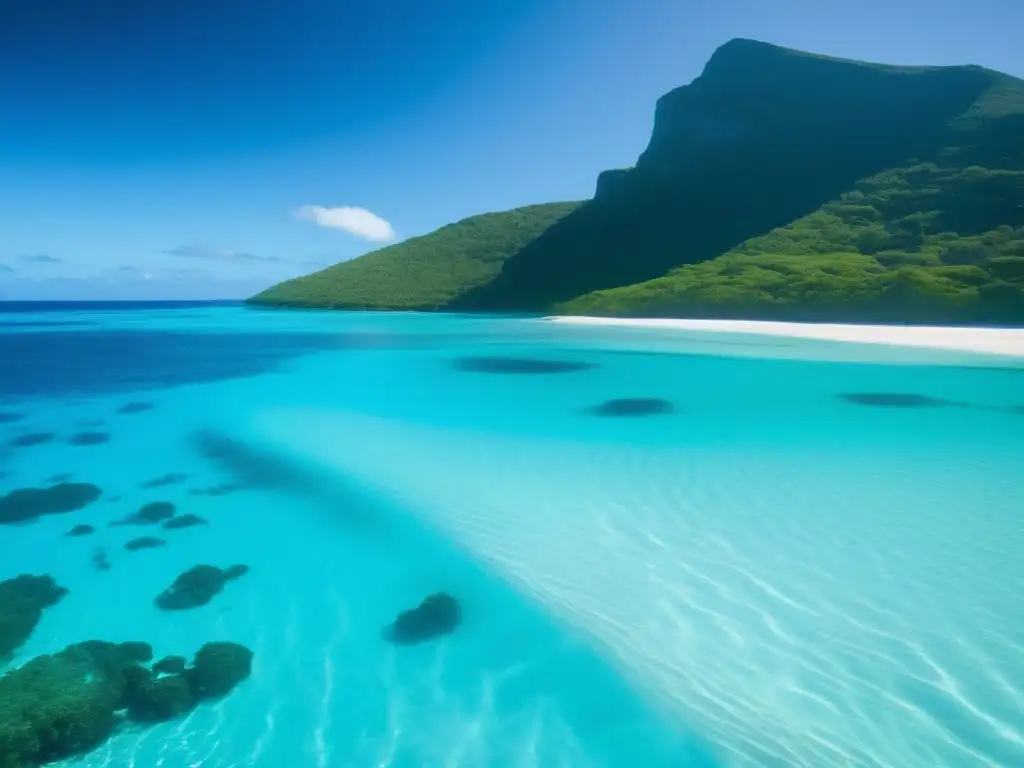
(595, 701)
(64, 363)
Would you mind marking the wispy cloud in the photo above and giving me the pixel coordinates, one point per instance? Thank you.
(41, 258)
(220, 254)
(357, 221)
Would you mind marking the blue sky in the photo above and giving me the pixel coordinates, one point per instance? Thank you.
(209, 148)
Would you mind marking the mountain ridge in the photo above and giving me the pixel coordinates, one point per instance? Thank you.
(764, 139)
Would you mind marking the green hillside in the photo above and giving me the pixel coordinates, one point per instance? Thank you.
(921, 244)
(422, 273)
(777, 184)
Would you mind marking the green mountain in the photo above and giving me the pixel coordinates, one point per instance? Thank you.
(777, 184)
(423, 273)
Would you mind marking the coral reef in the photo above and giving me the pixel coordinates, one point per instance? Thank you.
(65, 704)
(148, 514)
(22, 602)
(197, 586)
(26, 504)
(439, 614)
(183, 521)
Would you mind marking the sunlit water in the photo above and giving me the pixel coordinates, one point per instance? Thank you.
(769, 575)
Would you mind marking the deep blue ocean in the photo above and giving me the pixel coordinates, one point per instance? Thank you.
(669, 549)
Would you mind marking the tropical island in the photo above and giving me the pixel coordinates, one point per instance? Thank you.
(777, 185)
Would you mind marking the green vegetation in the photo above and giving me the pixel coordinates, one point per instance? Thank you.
(778, 184)
(920, 244)
(422, 273)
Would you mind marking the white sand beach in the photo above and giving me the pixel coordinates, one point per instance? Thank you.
(1005, 342)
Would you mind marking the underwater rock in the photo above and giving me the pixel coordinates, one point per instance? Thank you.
(137, 407)
(184, 521)
(197, 586)
(437, 615)
(26, 504)
(81, 530)
(895, 399)
(217, 668)
(149, 514)
(144, 542)
(633, 406)
(519, 365)
(170, 665)
(9, 417)
(32, 438)
(22, 602)
(156, 699)
(89, 438)
(219, 490)
(160, 482)
(62, 705)
(99, 560)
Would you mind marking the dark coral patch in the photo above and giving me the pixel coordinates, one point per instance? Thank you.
(81, 530)
(32, 438)
(144, 542)
(136, 407)
(168, 479)
(22, 602)
(439, 614)
(149, 514)
(89, 438)
(62, 705)
(634, 406)
(895, 399)
(197, 586)
(217, 668)
(170, 665)
(26, 504)
(184, 521)
(99, 560)
(519, 365)
(9, 417)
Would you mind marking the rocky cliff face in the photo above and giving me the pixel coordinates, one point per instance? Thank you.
(763, 136)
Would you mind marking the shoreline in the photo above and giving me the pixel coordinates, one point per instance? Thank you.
(1005, 342)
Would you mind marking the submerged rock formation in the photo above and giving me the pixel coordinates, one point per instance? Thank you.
(526, 365)
(171, 478)
(439, 614)
(895, 399)
(149, 514)
(633, 406)
(25, 504)
(183, 521)
(22, 602)
(32, 438)
(197, 586)
(58, 706)
(89, 438)
(144, 542)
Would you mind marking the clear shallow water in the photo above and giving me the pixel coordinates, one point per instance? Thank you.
(771, 575)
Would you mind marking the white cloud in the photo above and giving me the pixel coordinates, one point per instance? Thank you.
(358, 221)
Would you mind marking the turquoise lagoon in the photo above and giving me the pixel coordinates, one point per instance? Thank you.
(778, 572)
